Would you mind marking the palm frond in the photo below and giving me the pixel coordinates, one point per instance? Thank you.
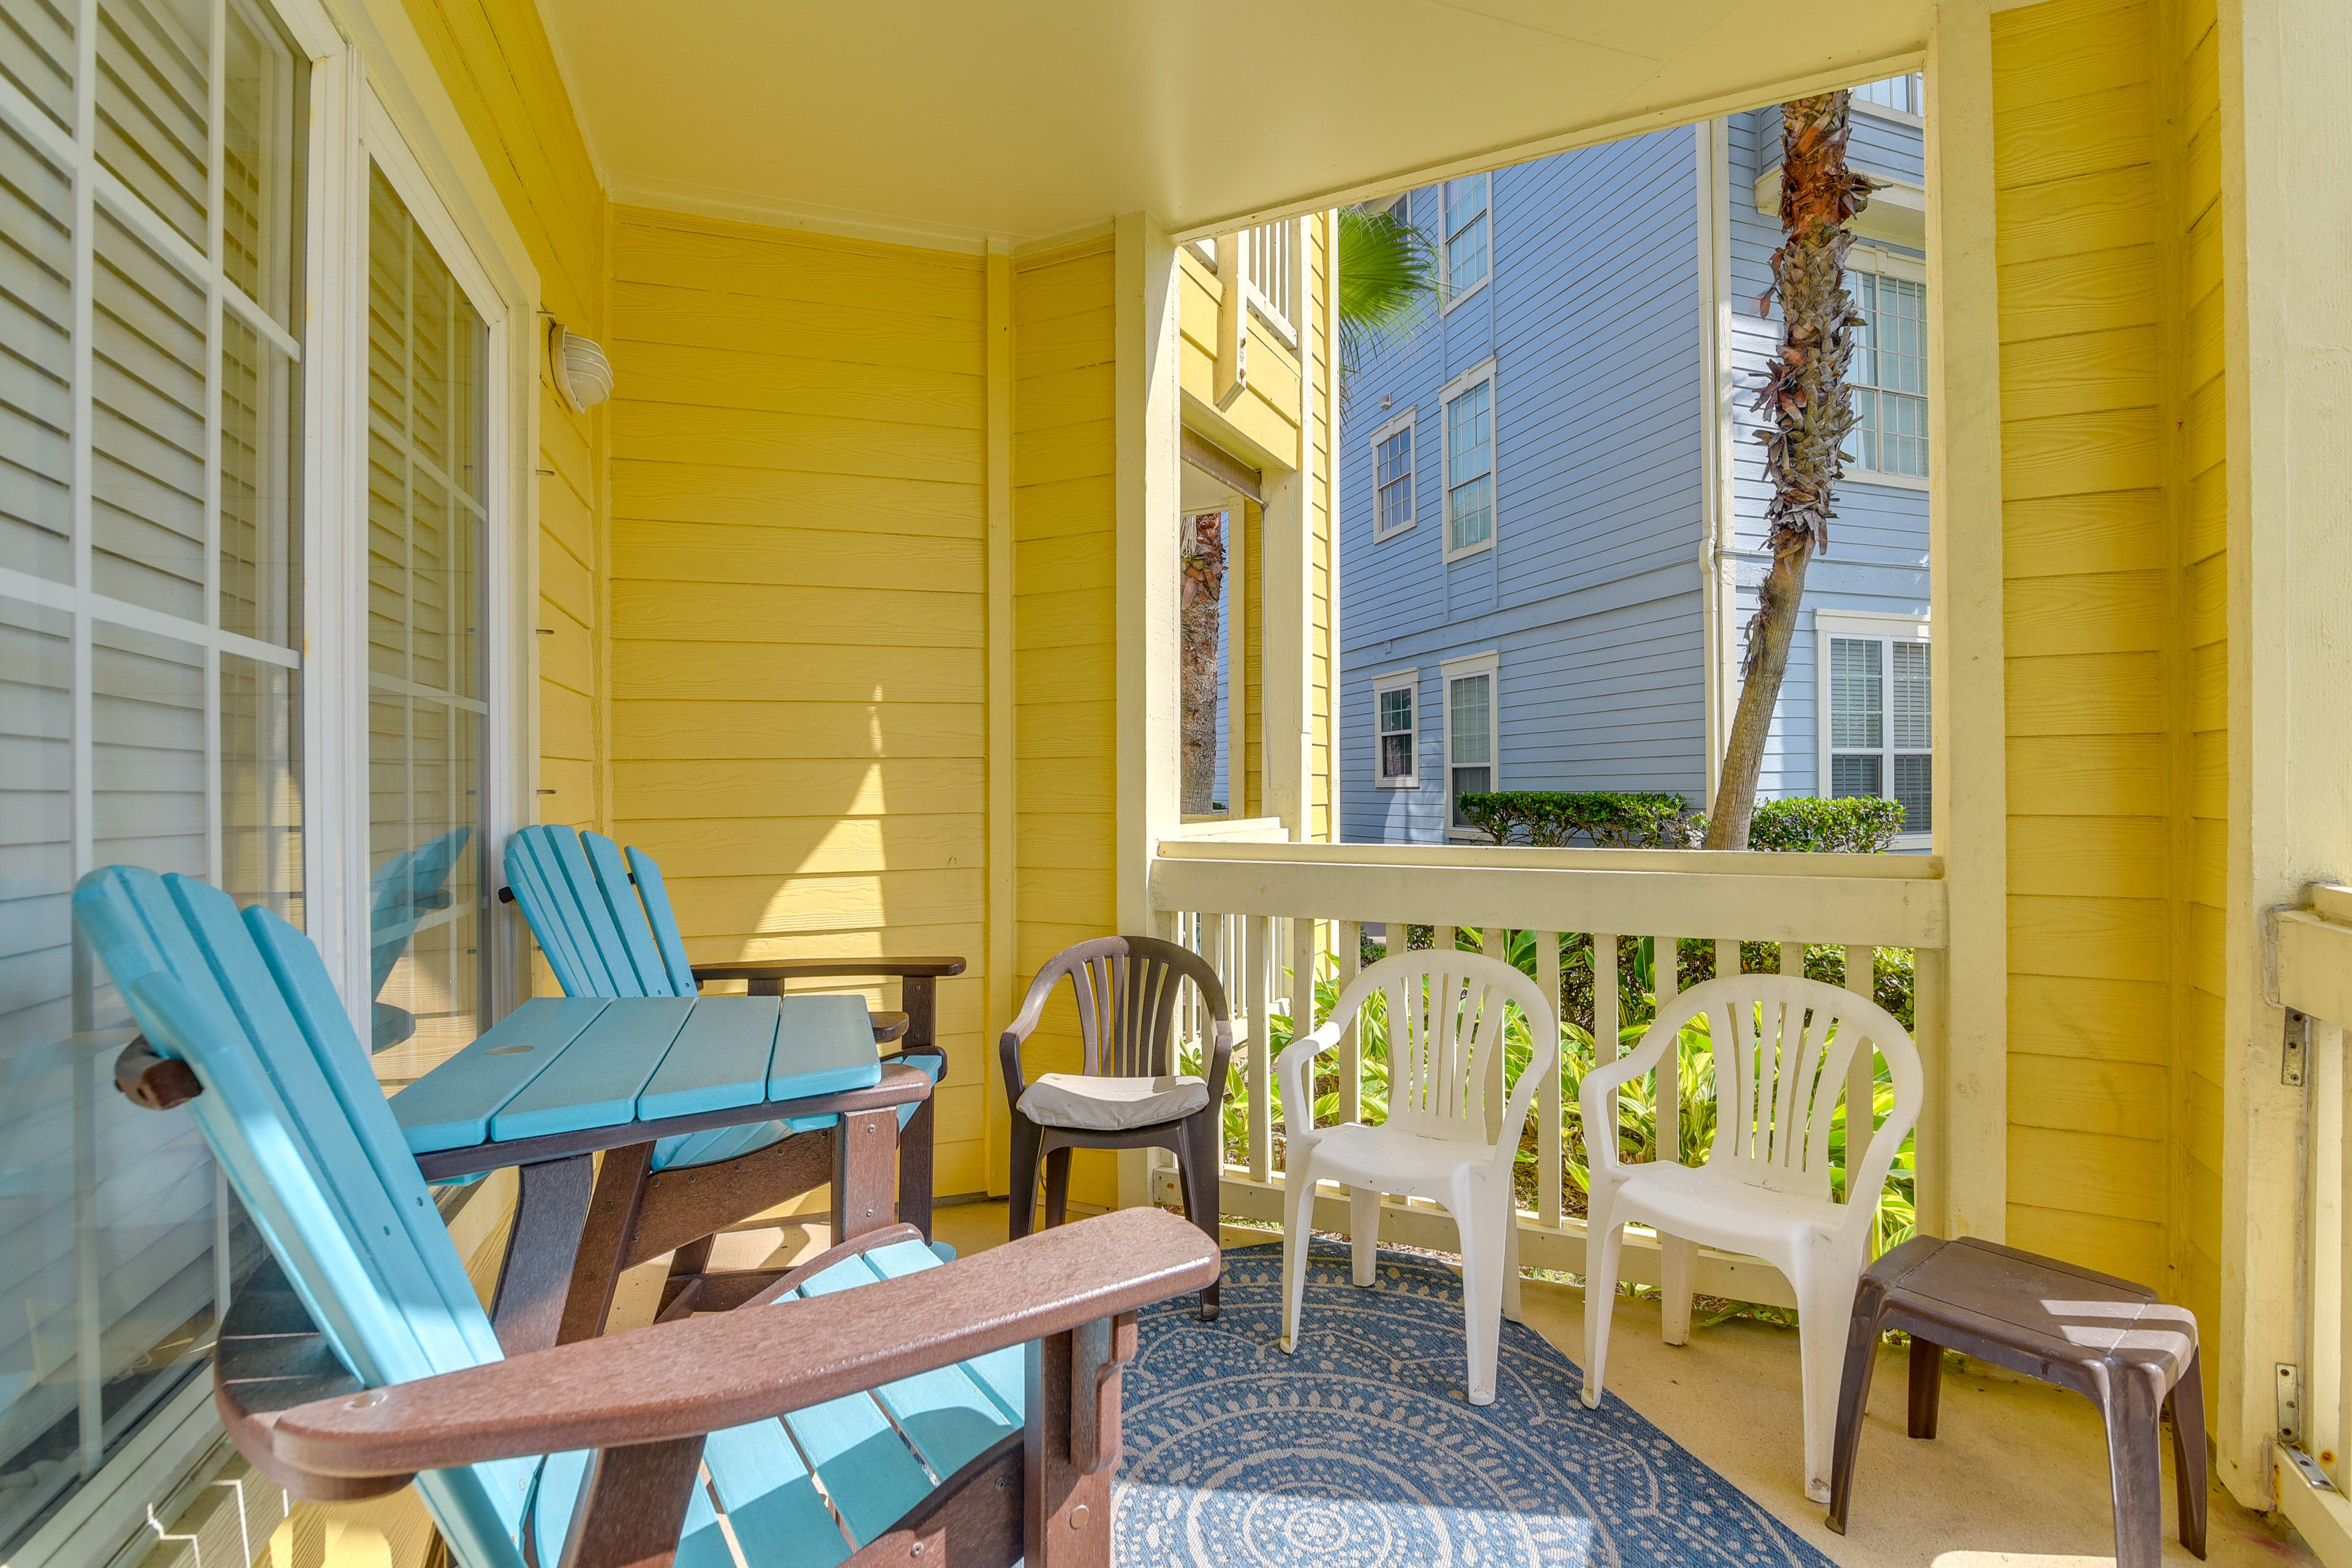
(1388, 275)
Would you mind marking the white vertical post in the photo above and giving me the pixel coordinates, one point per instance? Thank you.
(1551, 1137)
(1351, 1052)
(1666, 980)
(1727, 957)
(1256, 956)
(1860, 1076)
(1496, 944)
(1605, 1045)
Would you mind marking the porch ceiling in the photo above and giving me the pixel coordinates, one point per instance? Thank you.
(1036, 117)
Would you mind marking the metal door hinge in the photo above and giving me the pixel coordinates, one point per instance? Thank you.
(2293, 1046)
(2290, 1402)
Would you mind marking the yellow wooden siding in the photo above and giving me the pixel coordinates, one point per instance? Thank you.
(495, 60)
(1267, 413)
(2110, 402)
(1066, 633)
(798, 605)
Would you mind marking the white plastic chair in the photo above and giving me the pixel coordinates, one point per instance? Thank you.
(1764, 1189)
(1445, 1025)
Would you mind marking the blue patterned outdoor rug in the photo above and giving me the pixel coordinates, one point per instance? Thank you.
(1361, 1452)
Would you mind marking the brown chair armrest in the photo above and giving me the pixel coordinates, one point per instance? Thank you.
(825, 968)
(681, 1380)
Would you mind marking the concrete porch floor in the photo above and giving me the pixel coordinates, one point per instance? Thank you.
(2016, 1477)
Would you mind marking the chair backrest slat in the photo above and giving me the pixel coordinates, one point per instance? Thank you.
(653, 894)
(602, 919)
(1781, 1046)
(1127, 990)
(311, 1146)
(1447, 1015)
(638, 952)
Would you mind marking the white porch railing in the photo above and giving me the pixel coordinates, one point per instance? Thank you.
(2313, 952)
(1269, 280)
(1269, 914)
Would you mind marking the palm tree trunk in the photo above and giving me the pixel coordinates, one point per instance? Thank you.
(1812, 413)
(1204, 582)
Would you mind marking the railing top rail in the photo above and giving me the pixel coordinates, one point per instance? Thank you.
(1676, 862)
(1255, 831)
(1686, 897)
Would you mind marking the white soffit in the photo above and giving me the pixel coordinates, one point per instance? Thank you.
(1035, 118)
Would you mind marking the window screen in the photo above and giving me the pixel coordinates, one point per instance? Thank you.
(1470, 739)
(1890, 376)
(1881, 724)
(1396, 732)
(1392, 478)
(1466, 233)
(1470, 467)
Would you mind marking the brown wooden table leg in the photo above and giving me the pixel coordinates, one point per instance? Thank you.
(603, 1245)
(865, 1173)
(1926, 1385)
(2186, 1405)
(542, 1250)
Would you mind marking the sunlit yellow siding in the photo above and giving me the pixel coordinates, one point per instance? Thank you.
(1065, 617)
(798, 623)
(1314, 334)
(494, 59)
(2108, 217)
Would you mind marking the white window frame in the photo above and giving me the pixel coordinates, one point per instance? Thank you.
(1909, 269)
(1396, 680)
(1884, 628)
(1488, 664)
(1445, 396)
(1452, 297)
(1405, 422)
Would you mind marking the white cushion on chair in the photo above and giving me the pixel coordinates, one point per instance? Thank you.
(1110, 1104)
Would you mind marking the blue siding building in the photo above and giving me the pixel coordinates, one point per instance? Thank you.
(1553, 497)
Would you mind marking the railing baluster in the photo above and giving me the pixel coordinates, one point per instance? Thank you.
(1666, 972)
(1552, 1140)
(1860, 1076)
(1727, 957)
(1303, 953)
(1256, 956)
(1351, 1053)
(1496, 944)
(1792, 959)
(1606, 1046)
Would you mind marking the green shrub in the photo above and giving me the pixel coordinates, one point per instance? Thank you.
(1858, 825)
(1610, 819)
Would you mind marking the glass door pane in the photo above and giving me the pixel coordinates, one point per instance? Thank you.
(151, 656)
(426, 716)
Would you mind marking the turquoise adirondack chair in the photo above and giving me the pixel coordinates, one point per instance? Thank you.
(933, 1400)
(602, 915)
(403, 888)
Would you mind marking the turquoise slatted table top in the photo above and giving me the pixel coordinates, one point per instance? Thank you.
(567, 1063)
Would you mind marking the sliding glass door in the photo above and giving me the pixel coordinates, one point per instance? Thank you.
(428, 712)
(151, 656)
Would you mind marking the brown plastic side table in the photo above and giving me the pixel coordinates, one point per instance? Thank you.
(2107, 1339)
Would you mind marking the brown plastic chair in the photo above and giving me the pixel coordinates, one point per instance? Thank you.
(1127, 989)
